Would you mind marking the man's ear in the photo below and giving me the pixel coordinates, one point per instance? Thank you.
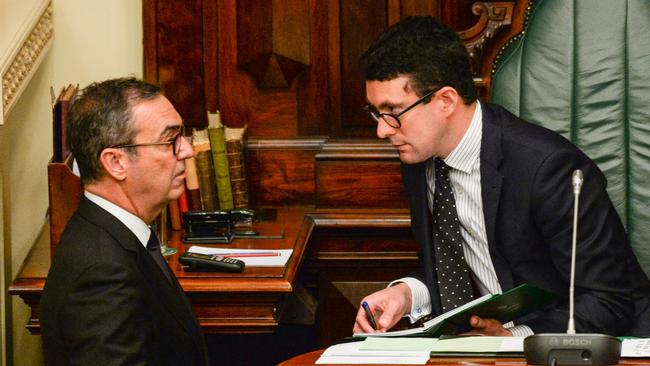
(114, 162)
(449, 98)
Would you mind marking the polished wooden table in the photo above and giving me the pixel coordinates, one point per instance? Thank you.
(309, 359)
(247, 302)
(344, 245)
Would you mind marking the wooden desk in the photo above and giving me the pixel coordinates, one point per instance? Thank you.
(247, 302)
(332, 249)
(309, 359)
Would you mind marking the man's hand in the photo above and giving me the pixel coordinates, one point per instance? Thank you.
(388, 306)
(491, 327)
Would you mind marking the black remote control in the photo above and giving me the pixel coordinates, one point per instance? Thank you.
(211, 262)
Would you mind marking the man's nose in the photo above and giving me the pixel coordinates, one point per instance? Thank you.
(186, 151)
(384, 130)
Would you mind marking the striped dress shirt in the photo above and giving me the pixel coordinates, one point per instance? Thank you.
(465, 177)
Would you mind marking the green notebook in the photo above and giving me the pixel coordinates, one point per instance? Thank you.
(505, 307)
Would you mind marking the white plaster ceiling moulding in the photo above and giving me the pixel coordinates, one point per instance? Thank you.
(26, 29)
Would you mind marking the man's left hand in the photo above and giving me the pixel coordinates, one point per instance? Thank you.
(490, 327)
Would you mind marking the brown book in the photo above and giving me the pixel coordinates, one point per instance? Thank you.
(205, 170)
(192, 190)
(60, 110)
(174, 210)
(235, 149)
(182, 202)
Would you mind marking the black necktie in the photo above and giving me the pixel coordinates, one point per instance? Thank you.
(153, 245)
(453, 276)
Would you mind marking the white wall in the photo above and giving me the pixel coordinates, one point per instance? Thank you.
(93, 40)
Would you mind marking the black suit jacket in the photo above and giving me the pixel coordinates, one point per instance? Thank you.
(106, 302)
(528, 208)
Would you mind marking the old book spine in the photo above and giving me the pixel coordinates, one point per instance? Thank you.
(205, 173)
(174, 211)
(68, 98)
(182, 202)
(57, 134)
(220, 160)
(193, 190)
(60, 111)
(237, 167)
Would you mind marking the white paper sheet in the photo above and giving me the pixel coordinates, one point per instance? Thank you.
(350, 353)
(636, 347)
(273, 261)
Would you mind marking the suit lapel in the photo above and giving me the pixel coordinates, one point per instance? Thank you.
(170, 295)
(491, 186)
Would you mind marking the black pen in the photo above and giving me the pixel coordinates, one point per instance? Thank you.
(371, 318)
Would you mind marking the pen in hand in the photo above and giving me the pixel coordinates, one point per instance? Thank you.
(369, 315)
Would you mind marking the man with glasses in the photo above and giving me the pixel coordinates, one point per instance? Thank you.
(110, 298)
(491, 198)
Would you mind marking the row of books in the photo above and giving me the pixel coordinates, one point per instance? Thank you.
(216, 175)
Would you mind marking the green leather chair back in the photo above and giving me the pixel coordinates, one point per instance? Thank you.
(582, 68)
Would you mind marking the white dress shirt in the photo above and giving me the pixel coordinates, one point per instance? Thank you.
(134, 223)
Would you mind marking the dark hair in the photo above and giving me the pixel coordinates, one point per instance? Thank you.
(101, 117)
(431, 54)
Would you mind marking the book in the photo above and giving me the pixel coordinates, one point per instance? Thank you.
(478, 346)
(456, 346)
(205, 170)
(504, 307)
(174, 211)
(60, 110)
(192, 188)
(235, 147)
(182, 202)
(216, 132)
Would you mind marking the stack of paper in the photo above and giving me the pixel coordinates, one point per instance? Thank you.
(350, 353)
(639, 347)
(252, 257)
(455, 346)
(479, 346)
(416, 351)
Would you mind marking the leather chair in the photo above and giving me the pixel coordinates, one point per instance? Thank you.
(582, 68)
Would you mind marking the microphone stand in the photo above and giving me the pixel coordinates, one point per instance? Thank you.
(555, 349)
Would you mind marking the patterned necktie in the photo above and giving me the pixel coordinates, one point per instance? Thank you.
(153, 246)
(454, 284)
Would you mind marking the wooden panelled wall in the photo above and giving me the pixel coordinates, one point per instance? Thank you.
(288, 70)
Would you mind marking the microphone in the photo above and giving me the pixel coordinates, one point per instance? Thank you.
(558, 349)
(576, 180)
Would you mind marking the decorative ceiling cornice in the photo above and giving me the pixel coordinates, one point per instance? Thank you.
(25, 53)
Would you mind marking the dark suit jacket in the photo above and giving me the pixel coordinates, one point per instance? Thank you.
(106, 302)
(528, 207)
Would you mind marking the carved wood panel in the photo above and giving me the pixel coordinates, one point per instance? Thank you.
(288, 70)
(284, 67)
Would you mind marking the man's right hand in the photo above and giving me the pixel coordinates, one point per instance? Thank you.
(388, 306)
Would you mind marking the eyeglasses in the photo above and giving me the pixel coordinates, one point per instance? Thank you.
(176, 142)
(393, 119)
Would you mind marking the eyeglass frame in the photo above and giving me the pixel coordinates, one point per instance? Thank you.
(377, 115)
(176, 143)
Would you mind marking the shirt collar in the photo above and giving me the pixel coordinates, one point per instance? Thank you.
(134, 223)
(468, 150)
